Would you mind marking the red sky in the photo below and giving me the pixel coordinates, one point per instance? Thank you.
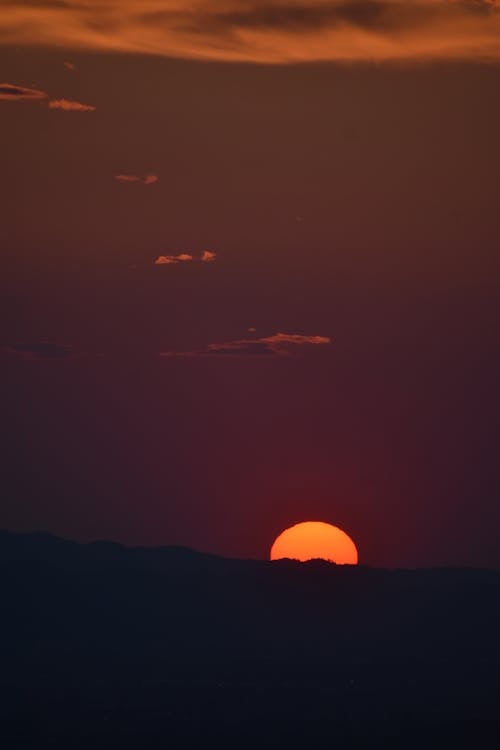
(337, 358)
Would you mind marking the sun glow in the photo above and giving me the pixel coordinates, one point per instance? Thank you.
(315, 540)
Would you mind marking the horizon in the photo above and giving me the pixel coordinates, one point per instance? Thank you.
(312, 562)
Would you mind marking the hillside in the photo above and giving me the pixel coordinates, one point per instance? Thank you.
(106, 640)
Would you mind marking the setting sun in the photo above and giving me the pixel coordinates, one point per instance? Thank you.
(315, 540)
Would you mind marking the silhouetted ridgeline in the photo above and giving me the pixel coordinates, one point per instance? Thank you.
(100, 641)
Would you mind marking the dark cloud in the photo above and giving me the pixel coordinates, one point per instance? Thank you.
(39, 3)
(380, 15)
(40, 350)
(241, 348)
(265, 16)
(12, 93)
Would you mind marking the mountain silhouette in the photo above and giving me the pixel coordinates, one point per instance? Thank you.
(104, 644)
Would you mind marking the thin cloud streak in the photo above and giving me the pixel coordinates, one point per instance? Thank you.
(150, 179)
(127, 178)
(279, 344)
(263, 31)
(68, 105)
(39, 350)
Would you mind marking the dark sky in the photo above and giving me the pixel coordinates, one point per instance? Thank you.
(352, 208)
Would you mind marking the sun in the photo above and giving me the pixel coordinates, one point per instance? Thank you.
(312, 540)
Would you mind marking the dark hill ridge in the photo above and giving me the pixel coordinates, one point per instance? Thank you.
(43, 546)
(123, 632)
(171, 591)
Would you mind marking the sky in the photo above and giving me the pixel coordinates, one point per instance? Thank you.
(250, 273)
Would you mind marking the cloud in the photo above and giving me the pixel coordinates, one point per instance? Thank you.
(294, 339)
(70, 66)
(9, 92)
(127, 178)
(12, 93)
(39, 350)
(263, 31)
(279, 344)
(150, 179)
(67, 105)
(167, 260)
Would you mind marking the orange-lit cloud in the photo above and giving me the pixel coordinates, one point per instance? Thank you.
(9, 92)
(264, 31)
(284, 340)
(150, 179)
(279, 344)
(68, 105)
(70, 66)
(167, 260)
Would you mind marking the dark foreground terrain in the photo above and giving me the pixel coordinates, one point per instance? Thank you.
(103, 646)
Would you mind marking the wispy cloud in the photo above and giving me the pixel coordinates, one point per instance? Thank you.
(279, 344)
(150, 179)
(9, 92)
(39, 350)
(70, 66)
(167, 260)
(263, 31)
(68, 105)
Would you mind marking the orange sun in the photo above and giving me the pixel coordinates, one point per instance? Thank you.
(315, 540)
